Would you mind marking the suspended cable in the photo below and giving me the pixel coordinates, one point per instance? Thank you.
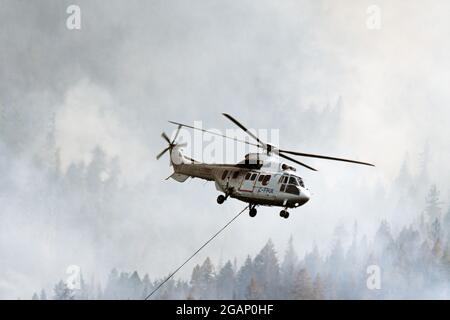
(204, 245)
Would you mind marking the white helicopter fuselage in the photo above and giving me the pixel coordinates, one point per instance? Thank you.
(260, 179)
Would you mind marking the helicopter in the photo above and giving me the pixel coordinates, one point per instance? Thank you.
(260, 179)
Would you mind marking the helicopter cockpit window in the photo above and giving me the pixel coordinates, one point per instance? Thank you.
(248, 175)
(292, 189)
(224, 174)
(293, 180)
(266, 180)
(290, 183)
(253, 176)
(235, 174)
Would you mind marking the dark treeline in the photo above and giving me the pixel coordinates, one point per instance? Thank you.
(414, 263)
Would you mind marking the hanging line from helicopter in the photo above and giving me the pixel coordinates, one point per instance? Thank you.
(195, 253)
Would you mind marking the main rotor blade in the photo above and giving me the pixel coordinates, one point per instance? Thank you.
(325, 157)
(214, 133)
(296, 161)
(165, 137)
(262, 144)
(161, 153)
(176, 134)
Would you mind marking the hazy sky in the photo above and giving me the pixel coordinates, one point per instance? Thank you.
(136, 64)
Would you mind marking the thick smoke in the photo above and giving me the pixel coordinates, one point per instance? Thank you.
(81, 114)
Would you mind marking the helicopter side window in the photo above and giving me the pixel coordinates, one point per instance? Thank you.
(300, 181)
(224, 174)
(283, 187)
(266, 180)
(235, 174)
(253, 177)
(261, 177)
(248, 175)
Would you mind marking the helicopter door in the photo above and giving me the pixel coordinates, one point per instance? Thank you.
(248, 183)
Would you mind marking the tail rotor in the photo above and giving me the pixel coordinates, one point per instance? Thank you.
(172, 143)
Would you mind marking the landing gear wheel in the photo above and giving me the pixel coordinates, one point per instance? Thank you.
(221, 199)
(252, 212)
(284, 214)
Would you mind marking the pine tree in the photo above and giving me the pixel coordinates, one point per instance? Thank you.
(336, 258)
(303, 288)
(225, 282)
(435, 231)
(62, 292)
(433, 204)
(112, 286)
(313, 260)
(446, 223)
(267, 271)
(384, 242)
(147, 286)
(195, 282)
(207, 277)
(43, 295)
(35, 296)
(96, 170)
(318, 288)
(136, 287)
(288, 268)
(407, 243)
(244, 276)
(437, 249)
(254, 290)
(404, 182)
(445, 262)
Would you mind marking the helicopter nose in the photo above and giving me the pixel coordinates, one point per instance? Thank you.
(305, 195)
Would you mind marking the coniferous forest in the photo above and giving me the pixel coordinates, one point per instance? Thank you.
(414, 264)
(413, 259)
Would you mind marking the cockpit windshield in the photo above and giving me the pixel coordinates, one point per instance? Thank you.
(300, 182)
(293, 180)
(290, 182)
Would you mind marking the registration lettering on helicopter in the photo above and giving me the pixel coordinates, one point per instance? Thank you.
(264, 190)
